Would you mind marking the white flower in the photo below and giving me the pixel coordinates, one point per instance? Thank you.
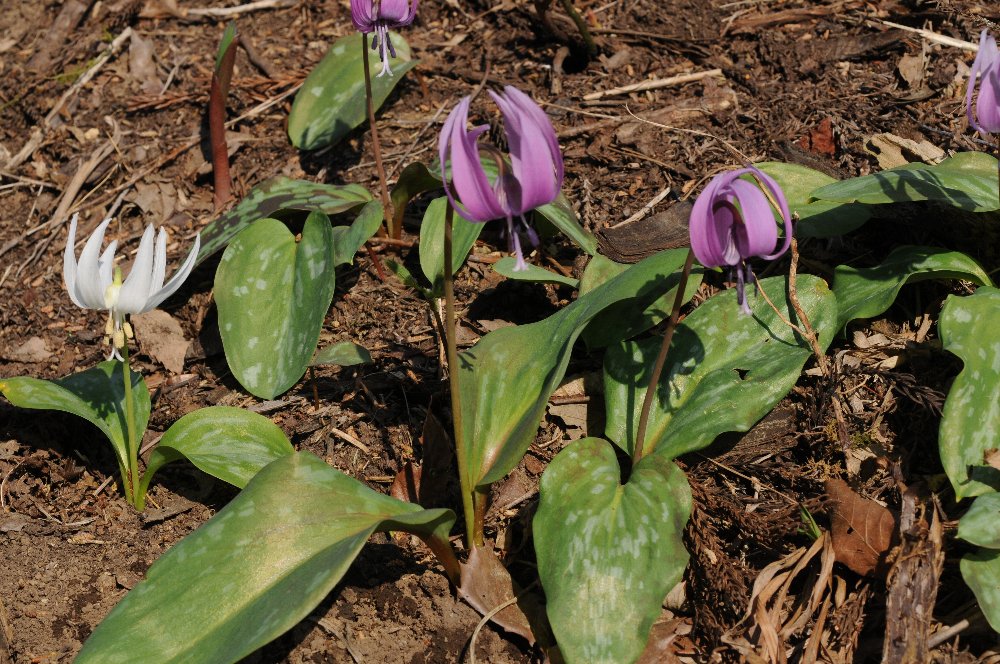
(95, 283)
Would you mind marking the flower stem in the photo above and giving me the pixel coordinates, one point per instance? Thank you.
(661, 358)
(581, 25)
(387, 211)
(131, 442)
(473, 528)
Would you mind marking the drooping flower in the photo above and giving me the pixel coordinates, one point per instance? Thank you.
(532, 178)
(95, 282)
(733, 221)
(985, 117)
(380, 16)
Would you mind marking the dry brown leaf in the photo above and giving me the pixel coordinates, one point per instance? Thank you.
(406, 485)
(160, 336)
(141, 66)
(863, 531)
(991, 457)
(486, 584)
(32, 351)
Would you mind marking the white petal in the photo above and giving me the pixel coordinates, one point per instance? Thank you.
(106, 266)
(69, 263)
(175, 282)
(159, 262)
(88, 287)
(135, 291)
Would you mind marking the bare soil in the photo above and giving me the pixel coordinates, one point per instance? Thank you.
(800, 81)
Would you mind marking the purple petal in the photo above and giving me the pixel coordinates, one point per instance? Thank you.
(710, 225)
(534, 150)
(987, 61)
(397, 13)
(757, 235)
(988, 104)
(786, 215)
(478, 200)
(361, 15)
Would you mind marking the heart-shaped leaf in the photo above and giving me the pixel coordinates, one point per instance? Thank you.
(343, 354)
(231, 444)
(533, 273)
(869, 291)
(979, 524)
(463, 235)
(608, 553)
(507, 377)
(256, 568)
(970, 423)
(273, 294)
(348, 239)
(967, 181)
(981, 570)
(332, 100)
(816, 218)
(97, 395)
(725, 369)
(279, 193)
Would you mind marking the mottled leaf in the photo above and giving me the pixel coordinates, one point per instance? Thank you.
(980, 524)
(343, 354)
(981, 570)
(817, 218)
(970, 423)
(533, 273)
(560, 214)
(273, 294)
(463, 236)
(608, 553)
(348, 239)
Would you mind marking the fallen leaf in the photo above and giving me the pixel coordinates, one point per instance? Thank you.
(32, 351)
(911, 68)
(820, 140)
(486, 584)
(162, 339)
(406, 485)
(863, 531)
(991, 457)
(892, 151)
(141, 65)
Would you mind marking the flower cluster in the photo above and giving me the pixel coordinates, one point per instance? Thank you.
(380, 16)
(984, 115)
(95, 282)
(733, 221)
(532, 178)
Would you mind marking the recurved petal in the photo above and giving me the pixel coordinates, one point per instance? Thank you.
(362, 15)
(757, 235)
(468, 180)
(159, 262)
(175, 282)
(396, 13)
(987, 60)
(534, 150)
(710, 225)
(69, 262)
(135, 291)
(988, 104)
(786, 215)
(89, 288)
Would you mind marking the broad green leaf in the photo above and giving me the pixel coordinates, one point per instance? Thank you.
(970, 423)
(980, 524)
(332, 100)
(608, 553)
(507, 377)
(816, 218)
(279, 193)
(97, 395)
(967, 181)
(463, 236)
(273, 293)
(560, 214)
(413, 181)
(622, 320)
(867, 292)
(343, 354)
(231, 444)
(348, 239)
(725, 369)
(255, 569)
(981, 570)
(533, 273)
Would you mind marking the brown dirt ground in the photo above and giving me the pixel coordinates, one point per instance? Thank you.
(802, 81)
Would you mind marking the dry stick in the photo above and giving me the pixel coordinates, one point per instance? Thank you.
(661, 359)
(654, 84)
(387, 215)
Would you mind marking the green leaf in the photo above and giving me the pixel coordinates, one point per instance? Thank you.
(539, 275)
(560, 214)
(231, 444)
(348, 239)
(343, 354)
(228, 35)
(725, 369)
(507, 377)
(279, 193)
(970, 423)
(407, 278)
(979, 524)
(868, 291)
(981, 570)
(255, 569)
(622, 320)
(332, 100)
(413, 181)
(464, 235)
(816, 218)
(967, 181)
(608, 553)
(273, 294)
(97, 395)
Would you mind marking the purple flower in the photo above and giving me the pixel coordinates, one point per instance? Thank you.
(531, 179)
(987, 68)
(732, 221)
(380, 16)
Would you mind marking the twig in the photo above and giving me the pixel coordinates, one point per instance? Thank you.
(654, 84)
(646, 209)
(943, 635)
(343, 435)
(934, 36)
(38, 135)
(482, 623)
(240, 9)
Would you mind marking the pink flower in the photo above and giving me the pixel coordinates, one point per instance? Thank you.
(986, 115)
(380, 17)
